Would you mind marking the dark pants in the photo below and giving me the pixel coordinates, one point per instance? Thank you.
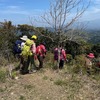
(32, 63)
(40, 58)
(61, 64)
(25, 65)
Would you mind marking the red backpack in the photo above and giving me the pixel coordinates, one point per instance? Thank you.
(40, 50)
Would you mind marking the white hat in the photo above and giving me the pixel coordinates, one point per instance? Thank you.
(24, 38)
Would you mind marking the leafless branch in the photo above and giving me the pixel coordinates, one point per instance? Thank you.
(62, 15)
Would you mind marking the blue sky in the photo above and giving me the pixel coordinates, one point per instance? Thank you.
(21, 11)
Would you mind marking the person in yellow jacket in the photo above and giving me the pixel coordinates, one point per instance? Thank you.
(33, 67)
(28, 54)
(24, 56)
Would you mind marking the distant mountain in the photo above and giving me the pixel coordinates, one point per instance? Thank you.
(93, 32)
(94, 36)
(93, 25)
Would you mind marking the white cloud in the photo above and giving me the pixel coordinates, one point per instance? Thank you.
(90, 15)
(93, 12)
(97, 1)
(13, 7)
(96, 10)
(11, 10)
(14, 12)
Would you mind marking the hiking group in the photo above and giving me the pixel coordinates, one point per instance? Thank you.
(27, 51)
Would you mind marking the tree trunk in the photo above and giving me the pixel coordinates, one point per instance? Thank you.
(58, 58)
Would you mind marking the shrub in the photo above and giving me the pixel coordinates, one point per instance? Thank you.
(22, 97)
(79, 59)
(60, 82)
(79, 64)
(49, 57)
(45, 77)
(2, 76)
(28, 87)
(3, 61)
(14, 74)
(69, 58)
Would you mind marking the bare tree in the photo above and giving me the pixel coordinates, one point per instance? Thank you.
(62, 15)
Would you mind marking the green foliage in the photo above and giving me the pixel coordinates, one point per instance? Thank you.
(45, 77)
(25, 29)
(14, 74)
(49, 60)
(3, 61)
(7, 34)
(74, 48)
(79, 64)
(22, 97)
(2, 76)
(28, 87)
(95, 39)
(96, 77)
(69, 58)
(2, 90)
(96, 50)
(60, 82)
(95, 67)
(45, 38)
(80, 60)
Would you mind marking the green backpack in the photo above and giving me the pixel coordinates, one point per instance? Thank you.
(26, 51)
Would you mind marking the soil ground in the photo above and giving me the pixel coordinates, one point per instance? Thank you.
(48, 84)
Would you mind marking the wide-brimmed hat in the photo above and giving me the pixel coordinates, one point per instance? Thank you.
(24, 37)
(91, 55)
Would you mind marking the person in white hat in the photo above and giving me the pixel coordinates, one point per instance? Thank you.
(23, 38)
(23, 62)
(19, 44)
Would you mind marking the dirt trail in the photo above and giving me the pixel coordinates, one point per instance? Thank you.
(47, 84)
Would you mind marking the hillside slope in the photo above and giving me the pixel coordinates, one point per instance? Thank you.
(48, 84)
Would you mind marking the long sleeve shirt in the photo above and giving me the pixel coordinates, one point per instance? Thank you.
(22, 45)
(41, 50)
(62, 54)
(33, 48)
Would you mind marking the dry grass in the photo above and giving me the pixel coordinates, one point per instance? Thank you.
(47, 84)
(50, 84)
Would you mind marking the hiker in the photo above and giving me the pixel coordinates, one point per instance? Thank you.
(41, 52)
(97, 64)
(24, 57)
(98, 61)
(33, 67)
(19, 45)
(62, 53)
(23, 39)
(89, 62)
(18, 49)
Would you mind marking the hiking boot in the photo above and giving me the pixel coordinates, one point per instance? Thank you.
(33, 71)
